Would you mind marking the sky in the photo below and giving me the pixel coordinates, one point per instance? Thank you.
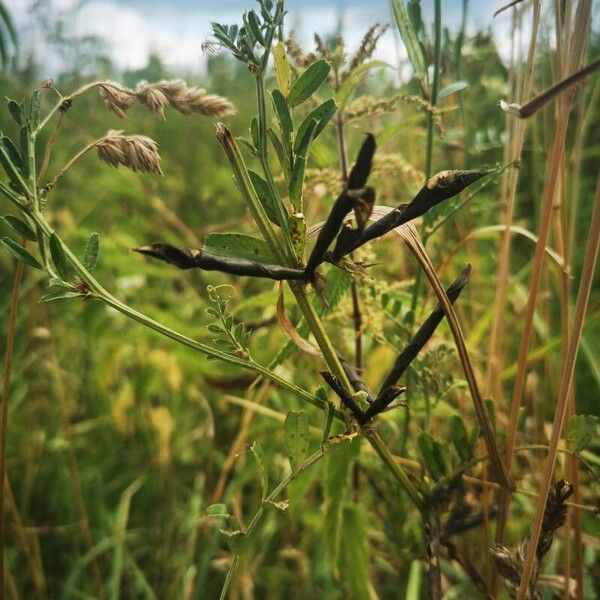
(131, 29)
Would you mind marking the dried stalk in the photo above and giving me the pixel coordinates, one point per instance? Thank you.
(591, 255)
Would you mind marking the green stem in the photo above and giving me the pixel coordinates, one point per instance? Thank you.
(382, 451)
(259, 513)
(435, 84)
(102, 294)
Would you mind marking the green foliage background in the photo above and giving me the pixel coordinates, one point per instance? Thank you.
(98, 404)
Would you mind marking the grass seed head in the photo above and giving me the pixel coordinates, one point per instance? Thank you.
(137, 152)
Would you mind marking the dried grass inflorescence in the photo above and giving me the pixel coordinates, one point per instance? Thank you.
(137, 152)
(156, 96)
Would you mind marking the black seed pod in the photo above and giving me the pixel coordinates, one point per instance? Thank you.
(440, 187)
(424, 333)
(358, 385)
(384, 399)
(364, 163)
(347, 400)
(186, 258)
(343, 204)
(364, 200)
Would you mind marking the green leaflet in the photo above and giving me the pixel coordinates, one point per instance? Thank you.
(92, 249)
(460, 438)
(20, 228)
(309, 82)
(411, 41)
(581, 431)
(322, 115)
(264, 195)
(238, 245)
(296, 438)
(58, 257)
(20, 253)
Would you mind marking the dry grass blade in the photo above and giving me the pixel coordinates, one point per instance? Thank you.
(591, 256)
(529, 109)
(577, 47)
(509, 186)
(411, 237)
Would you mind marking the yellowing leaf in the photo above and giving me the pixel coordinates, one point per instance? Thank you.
(283, 70)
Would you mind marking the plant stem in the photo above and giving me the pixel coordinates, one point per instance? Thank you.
(259, 513)
(103, 295)
(585, 285)
(437, 57)
(402, 478)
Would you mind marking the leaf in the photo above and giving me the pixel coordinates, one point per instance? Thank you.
(347, 88)
(20, 228)
(12, 152)
(20, 253)
(264, 195)
(411, 41)
(217, 510)
(58, 257)
(60, 295)
(254, 26)
(581, 431)
(432, 453)
(460, 438)
(238, 245)
(282, 155)
(297, 179)
(16, 111)
(296, 438)
(254, 131)
(309, 82)
(92, 248)
(283, 70)
(283, 116)
(322, 115)
(34, 108)
(256, 450)
(452, 88)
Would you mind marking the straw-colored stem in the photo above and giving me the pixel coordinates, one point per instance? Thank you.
(554, 167)
(494, 364)
(585, 286)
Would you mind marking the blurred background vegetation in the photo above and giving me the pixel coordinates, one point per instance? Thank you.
(118, 440)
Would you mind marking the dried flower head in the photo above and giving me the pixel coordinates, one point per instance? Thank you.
(138, 152)
(116, 97)
(189, 100)
(151, 97)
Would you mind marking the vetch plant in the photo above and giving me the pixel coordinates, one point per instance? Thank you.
(313, 95)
